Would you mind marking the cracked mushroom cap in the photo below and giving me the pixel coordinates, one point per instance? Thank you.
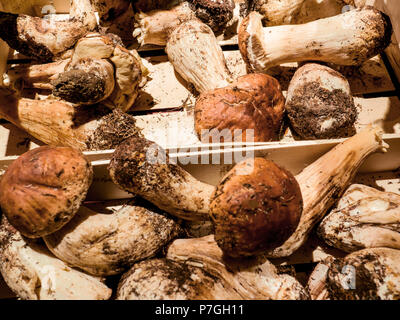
(256, 207)
(255, 101)
(43, 189)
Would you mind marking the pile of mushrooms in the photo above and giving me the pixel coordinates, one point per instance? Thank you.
(56, 245)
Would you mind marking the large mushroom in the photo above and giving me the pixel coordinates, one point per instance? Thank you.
(257, 205)
(349, 38)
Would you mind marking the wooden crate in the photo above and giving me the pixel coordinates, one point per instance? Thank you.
(164, 110)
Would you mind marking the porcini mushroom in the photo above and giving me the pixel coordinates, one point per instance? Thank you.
(195, 269)
(256, 207)
(367, 274)
(45, 40)
(319, 103)
(142, 167)
(99, 70)
(253, 102)
(32, 273)
(107, 244)
(349, 38)
(60, 123)
(43, 189)
(321, 183)
(364, 218)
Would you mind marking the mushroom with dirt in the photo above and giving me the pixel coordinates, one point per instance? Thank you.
(257, 206)
(349, 38)
(33, 273)
(42, 189)
(47, 40)
(103, 243)
(196, 269)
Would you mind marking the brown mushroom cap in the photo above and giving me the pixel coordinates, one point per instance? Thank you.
(255, 101)
(43, 189)
(256, 207)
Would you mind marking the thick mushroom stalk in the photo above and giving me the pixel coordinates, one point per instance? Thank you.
(142, 167)
(43, 39)
(205, 274)
(60, 123)
(325, 180)
(349, 38)
(108, 244)
(372, 273)
(364, 218)
(196, 55)
(32, 273)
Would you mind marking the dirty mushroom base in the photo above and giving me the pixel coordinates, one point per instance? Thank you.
(317, 113)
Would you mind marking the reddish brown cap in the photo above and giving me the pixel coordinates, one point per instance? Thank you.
(255, 101)
(255, 208)
(43, 189)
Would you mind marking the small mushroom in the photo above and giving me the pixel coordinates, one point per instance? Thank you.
(195, 269)
(43, 189)
(33, 273)
(107, 244)
(319, 103)
(46, 40)
(349, 38)
(364, 218)
(142, 167)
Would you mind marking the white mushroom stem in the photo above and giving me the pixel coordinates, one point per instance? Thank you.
(44, 39)
(325, 180)
(35, 76)
(108, 244)
(345, 39)
(279, 12)
(59, 123)
(364, 218)
(202, 273)
(195, 54)
(33, 273)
